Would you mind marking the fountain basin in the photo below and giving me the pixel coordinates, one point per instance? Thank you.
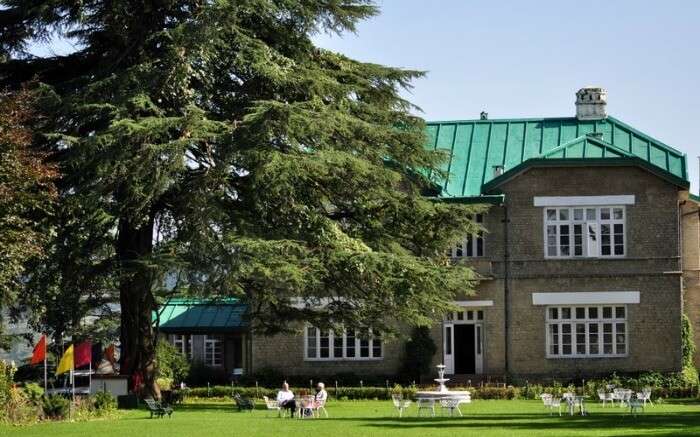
(463, 396)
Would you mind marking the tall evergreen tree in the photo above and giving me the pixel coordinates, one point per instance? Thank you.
(225, 149)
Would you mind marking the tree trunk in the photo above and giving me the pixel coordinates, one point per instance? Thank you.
(138, 338)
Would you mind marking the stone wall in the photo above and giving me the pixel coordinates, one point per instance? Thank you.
(652, 266)
(691, 269)
(285, 354)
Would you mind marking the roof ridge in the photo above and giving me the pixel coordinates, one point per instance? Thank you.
(584, 137)
(499, 120)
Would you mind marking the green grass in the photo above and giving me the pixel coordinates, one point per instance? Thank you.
(377, 418)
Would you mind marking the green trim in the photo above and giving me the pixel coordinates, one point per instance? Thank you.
(472, 200)
(585, 139)
(694, 197)
(627, 161)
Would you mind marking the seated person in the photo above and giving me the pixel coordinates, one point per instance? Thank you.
(321, 395)
(285, 399)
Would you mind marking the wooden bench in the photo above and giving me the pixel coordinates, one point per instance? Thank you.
(157, 409)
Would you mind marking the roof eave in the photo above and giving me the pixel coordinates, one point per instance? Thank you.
(491, 187)
(496, 199)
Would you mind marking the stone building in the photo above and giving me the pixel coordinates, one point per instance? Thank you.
(590, 256)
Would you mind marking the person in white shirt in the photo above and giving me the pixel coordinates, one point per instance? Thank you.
(321, 394)
(285, 399)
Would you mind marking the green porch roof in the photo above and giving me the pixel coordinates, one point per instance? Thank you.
(475, 147)
(185, 315)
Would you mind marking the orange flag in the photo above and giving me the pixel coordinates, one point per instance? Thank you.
(109, 354)
(39, 351)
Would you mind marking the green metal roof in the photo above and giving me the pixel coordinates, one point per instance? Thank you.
(180, 315)
(475, 147)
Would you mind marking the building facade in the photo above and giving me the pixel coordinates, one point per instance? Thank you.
(590, 256)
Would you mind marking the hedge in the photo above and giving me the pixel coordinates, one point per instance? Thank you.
(382, 393)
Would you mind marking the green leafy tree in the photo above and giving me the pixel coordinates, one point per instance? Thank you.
(212, 142)
(26, 197)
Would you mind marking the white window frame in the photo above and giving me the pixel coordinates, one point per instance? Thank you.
(185, 348)
(212, 356)
(588, 251)
(474, 240)
(587, 321)
(345, 343)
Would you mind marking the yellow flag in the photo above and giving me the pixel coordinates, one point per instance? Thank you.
(66, 363)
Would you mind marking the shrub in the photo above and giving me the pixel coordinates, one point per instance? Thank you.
(170, 363)
(495, 393)
(104, 403)
(419, 352)
(55, 406)
(165, 383)
(7, 373)
(34, 392)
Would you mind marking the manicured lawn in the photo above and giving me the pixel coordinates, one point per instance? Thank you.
(376, 418)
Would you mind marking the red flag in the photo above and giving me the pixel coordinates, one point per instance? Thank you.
(82, 355)
(39, 351)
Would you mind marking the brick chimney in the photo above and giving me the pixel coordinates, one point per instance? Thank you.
(591, 102)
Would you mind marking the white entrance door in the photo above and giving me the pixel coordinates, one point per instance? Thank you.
(447, 347)
(456, 358)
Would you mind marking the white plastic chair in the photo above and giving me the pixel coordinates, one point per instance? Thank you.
(426, 404)
(551, 402)
(450, 404)
(626, 396)
(318, 406)
(546, 399)
(400, 404)
(645, 396)
(273, 406)
(605, 397)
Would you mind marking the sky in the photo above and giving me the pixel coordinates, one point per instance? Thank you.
(527, 59)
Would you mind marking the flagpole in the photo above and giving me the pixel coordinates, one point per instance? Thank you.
(72, 378)
(45, 372)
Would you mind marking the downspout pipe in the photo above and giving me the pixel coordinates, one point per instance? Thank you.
(506, 288)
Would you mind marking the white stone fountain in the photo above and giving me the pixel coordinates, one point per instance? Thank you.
(442, 388)
(442, 392)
